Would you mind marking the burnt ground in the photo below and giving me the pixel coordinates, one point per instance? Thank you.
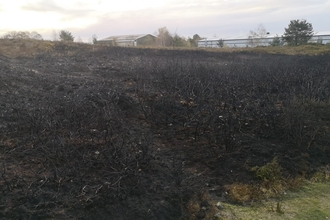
(129, 133)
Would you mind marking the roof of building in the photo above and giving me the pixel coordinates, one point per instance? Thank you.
(319, 33)
(234, 38)
(125, 37)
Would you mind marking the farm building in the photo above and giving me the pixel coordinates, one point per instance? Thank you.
(130, 40)
(319, 37)
(235, 42)
(322, 37)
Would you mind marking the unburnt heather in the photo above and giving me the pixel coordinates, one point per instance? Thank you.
(131, 133)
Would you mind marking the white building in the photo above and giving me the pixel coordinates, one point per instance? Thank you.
(322, 37)
(244, 41)
(129, 40)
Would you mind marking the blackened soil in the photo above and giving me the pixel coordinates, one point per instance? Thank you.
(124, 133)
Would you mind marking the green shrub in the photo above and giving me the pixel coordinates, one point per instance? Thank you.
(271, 172)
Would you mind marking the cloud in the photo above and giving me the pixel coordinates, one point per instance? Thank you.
(43, 6)
(224, 18)
(185, 17)
(50, 6)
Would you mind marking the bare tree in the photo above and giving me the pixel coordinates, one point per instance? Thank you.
(257, 36)
(79, 40)
(23, 35)
(164, 38)
(17, 35)
(55, 36)
(35, 35)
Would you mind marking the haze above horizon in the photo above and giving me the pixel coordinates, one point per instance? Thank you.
(208, 18)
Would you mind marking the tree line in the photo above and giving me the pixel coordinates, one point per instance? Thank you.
(62, 35)
(166, 39)
(23, 35)
(298, 32)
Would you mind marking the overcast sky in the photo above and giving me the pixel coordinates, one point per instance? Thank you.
(207, 18)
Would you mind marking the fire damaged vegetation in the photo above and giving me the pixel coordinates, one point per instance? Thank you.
(227, 105)
(128, 133)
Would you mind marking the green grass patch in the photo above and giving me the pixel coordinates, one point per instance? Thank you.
(279, 198)
(312, 201)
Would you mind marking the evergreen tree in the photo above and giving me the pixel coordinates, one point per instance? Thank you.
(277, 41)
(66, 36)
(220, 43)
(298, 32)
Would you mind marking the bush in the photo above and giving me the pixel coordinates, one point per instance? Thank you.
(66, 36)
(271, 172)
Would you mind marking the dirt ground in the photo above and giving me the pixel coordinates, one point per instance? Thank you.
(132, 133)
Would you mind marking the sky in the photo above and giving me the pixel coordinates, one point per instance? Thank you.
(207, 18)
